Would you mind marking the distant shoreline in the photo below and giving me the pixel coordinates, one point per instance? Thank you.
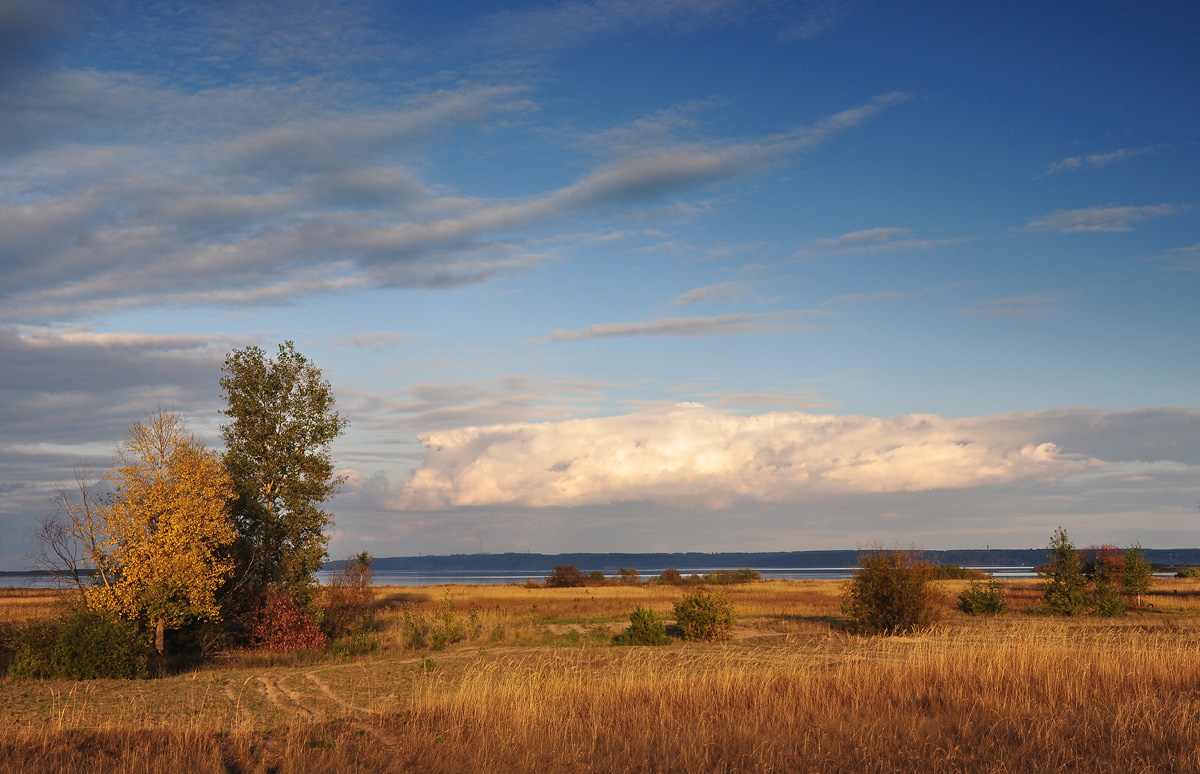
(520, 562)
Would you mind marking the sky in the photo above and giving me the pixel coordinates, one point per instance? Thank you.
(603, 275)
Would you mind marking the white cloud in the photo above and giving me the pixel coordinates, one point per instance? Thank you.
(1096, 219)
(719, 325)
(696, 456)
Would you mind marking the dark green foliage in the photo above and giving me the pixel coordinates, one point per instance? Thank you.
(277, 450)
(1188, 572)
(705, 615)
(1065, 593)
(890, 593)
(596, 577)
(82, 645)
(981, 599)
(956, 572)
(564, 576)
(645, 628)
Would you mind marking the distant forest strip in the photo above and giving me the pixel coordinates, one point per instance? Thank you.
(610, 562)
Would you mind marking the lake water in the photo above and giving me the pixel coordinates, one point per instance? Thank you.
(500, 577)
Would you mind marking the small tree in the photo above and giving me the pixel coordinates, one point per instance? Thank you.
(890, 594)
(705, 615)
(1064, 594)
(628, 575)
(164, 528)
(564, 576)
(348, 600)
(1137, 575)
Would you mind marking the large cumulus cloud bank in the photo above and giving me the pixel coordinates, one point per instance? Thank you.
(694, 456)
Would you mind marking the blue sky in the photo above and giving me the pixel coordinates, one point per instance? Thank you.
(664, 275)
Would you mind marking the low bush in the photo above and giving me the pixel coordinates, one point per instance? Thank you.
(705, 615)
(81, 645)
(596, 578)
(349, 608)
(281, 625)
(890, 593)
(981, 599)
(1188, 572)
(645, 628)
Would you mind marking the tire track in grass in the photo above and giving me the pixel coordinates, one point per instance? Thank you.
(273, 689)
(325, 689)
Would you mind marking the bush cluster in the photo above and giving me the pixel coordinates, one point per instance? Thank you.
(1097, 579)
(437, 629)
(890, 593)
(672, 577)
(705, 615)
(645, 628)
(81, 645)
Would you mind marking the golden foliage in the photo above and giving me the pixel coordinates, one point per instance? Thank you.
(164, 526)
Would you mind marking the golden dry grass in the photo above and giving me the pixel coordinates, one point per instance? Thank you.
(541, 690)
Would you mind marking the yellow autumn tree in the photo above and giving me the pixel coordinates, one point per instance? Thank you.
(163, 528)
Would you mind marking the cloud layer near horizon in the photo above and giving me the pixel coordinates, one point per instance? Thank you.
(693, 456)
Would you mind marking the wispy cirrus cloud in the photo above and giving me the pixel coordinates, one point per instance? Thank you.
(304, 208)
(721, 293)
(1097, 160)
(1097, 219)
(719, 325)
(875, 240)
(1029, 305)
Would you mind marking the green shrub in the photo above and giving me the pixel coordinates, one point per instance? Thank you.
(890, 593)
(1065, 593)
(628, 575)
(596, 577)
(1137, 574)
(82, 645)
(705, 615)
(645, 628)
(980, 599)
(1106, 594)
(1188, 572)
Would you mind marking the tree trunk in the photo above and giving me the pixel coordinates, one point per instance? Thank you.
(160, 629)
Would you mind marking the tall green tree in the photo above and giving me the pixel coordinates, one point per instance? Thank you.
(282, 424)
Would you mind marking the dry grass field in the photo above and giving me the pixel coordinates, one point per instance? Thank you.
(539, 688)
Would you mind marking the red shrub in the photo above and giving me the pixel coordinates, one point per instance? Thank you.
(283, 626)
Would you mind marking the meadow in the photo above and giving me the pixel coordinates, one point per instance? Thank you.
(535, 685)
